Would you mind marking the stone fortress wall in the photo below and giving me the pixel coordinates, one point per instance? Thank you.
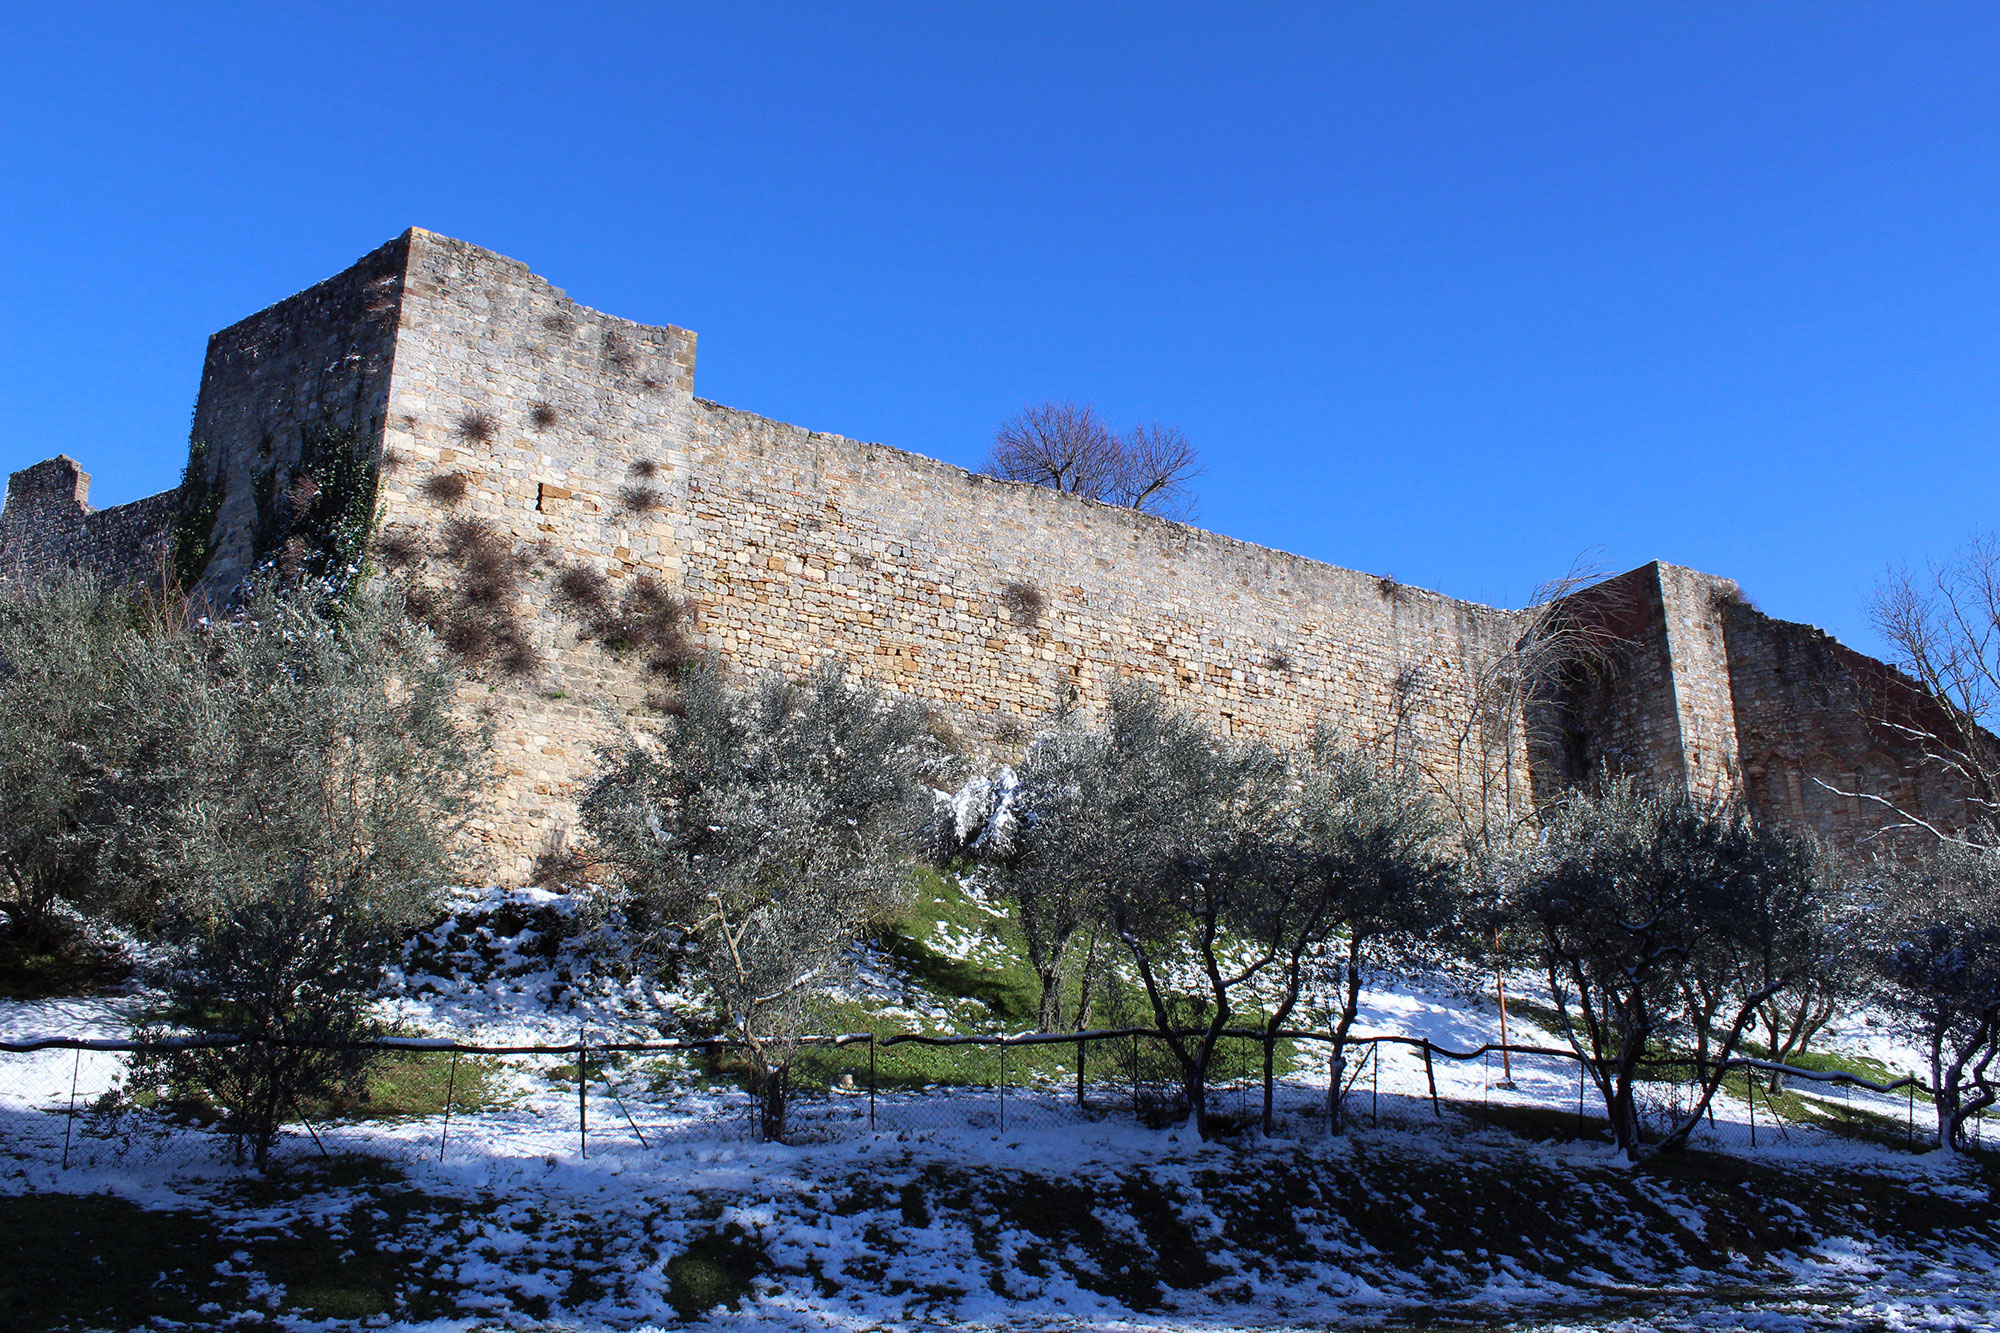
(575, 439)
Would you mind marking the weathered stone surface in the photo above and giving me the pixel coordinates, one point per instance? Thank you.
(580, 442)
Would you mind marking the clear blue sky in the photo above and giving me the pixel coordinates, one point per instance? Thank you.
(1453, 293)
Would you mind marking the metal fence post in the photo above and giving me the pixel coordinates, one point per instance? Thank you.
(1750, 1095)
(1375, 1086)
(871, 1080)
(1003, 1087)
(1332, 1087)
(1430, 1076)
(1486, 1094)
(1082, 1046)
(1135, 1076)
(1910, 1132)
(75, 1068)
(1579, 1096)
(582, 1109)
(450, 1091)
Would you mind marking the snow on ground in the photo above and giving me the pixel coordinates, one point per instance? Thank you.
(968, 1208)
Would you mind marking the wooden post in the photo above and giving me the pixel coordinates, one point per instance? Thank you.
(1430, 1076)
(1500, 990)
(1375, 1090)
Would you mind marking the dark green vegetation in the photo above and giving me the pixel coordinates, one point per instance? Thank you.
(74, 966)
(1263, 1231)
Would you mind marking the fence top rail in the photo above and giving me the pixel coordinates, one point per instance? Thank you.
(225, 1040)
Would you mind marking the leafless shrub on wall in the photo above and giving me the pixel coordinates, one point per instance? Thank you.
(542, 416)
(1068, 447)
(560, 323)
(645, 469)
(581, 590)
(446, 488)
(1732, 598)
(640, 499)
(490, 566)
(1278, 659)
(617, 351)
(471, 605)
(477, 426)
(646, 619)
(398, 548)
(392, 460)
(1025, 603)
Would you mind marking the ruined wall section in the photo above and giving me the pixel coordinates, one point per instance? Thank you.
(1811, 717)
(313, 363)
(47, 525)
(1618, 714)
(993, 601)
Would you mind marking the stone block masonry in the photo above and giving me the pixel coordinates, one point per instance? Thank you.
(574, 440)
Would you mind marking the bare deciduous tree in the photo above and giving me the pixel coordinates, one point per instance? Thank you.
(1944, 629)
(1068, 447)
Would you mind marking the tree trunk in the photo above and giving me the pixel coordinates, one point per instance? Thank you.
(1048, 1016)
(772, 1098)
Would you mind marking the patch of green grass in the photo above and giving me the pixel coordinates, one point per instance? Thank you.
(415, 1085)
(717, 1268)
(950, 945)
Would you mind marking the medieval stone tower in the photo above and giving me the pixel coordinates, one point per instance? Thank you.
(568, 447)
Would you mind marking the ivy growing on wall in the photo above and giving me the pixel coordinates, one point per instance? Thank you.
(317, 525)
(192, 541)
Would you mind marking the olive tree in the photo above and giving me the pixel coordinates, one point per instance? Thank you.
(1189, 821)
(1371, 871)
(63, 734)
(292, 808)
(1936, 953)
(1657, 912)
(758, 833)
(1039, 834)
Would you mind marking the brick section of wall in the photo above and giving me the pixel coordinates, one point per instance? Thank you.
(47, 524)
(1808, 713)
(1621, 717)
(1692, 607)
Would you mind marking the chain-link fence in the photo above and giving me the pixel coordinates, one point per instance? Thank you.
(78, 1104)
